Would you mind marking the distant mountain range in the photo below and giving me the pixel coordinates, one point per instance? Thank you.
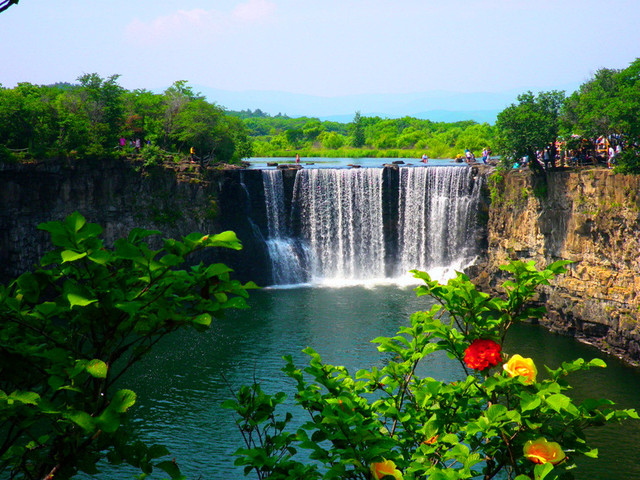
(438, 106)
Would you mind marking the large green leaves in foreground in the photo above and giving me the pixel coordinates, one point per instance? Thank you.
(73, 327)
(497, 421)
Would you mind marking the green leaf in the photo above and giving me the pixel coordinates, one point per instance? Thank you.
(157, 451)
(225, 239)
(122, 400)
(47, 308)
(171, 260)
(558, 402)
(217, 269)
(75, 221)
(495, 412)
(204, 319)
(593, 453)
(171, 468)
(71, 256)
(101, 257)
(596, 362)
(79, 300)
(529, 402)
(128, 251)
(97, 368)
(82, 419)
(27, 398)
(109, 420)
(139, 233)
(541, 471)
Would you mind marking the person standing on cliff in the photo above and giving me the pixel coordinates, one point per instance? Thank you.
(297, 159)
(471, 158)
(611, 160)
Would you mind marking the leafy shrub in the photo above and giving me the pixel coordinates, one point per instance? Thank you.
(500, 421)
(72, 328)
(628, 161)
(6, 155)
(152, 155)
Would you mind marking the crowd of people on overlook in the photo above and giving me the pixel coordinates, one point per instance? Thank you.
(469, 157)
(134, 144)
(605, 151)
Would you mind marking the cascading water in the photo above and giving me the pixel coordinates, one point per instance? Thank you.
(336, 231)
(288, 256)
(437, 219)
(340, 216)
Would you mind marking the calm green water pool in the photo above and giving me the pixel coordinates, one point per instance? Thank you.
(181, 386)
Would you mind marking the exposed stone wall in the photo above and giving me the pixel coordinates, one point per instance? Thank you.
(120, 196)
(591, 217)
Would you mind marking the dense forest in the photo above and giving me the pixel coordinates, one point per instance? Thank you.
(92, 118)
(364, 136)
(95, 117)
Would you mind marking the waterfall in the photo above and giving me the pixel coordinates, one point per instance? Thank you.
(288, 256)
(337, 231)
(437, 218)
(340, 216)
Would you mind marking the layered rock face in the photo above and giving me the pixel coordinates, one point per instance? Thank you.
(592, 218)
(121, 196)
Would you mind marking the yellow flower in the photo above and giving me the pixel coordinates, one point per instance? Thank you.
(542, 451)
(518, 366)
(379, 470)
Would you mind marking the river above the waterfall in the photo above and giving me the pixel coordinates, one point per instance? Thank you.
(345, 162)
(182, 383)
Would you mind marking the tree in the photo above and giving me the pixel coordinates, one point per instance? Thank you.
(28, 118)
(294, 136)
(4, 4)
(144, 115)
(102, 103)
(357, 131)
(70, 331)
(627, 120)
(243, 146)
(176, 97)
(530, 125)
(590, 111)
(331, 140)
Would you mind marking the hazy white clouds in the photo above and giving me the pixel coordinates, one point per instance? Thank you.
(181, 24)
(197, 24)
(254, 10)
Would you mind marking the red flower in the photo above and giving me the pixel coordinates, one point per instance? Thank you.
(482, 353)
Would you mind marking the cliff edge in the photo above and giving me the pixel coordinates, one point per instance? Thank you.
(591, 217)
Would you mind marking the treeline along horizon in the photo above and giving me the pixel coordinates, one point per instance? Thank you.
(87, 119)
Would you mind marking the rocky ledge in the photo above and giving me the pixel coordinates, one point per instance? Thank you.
(590, 217)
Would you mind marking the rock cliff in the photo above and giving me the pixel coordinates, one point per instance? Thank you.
(119, 196)
(591, 217)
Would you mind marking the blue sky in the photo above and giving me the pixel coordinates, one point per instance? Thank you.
(326, 48)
